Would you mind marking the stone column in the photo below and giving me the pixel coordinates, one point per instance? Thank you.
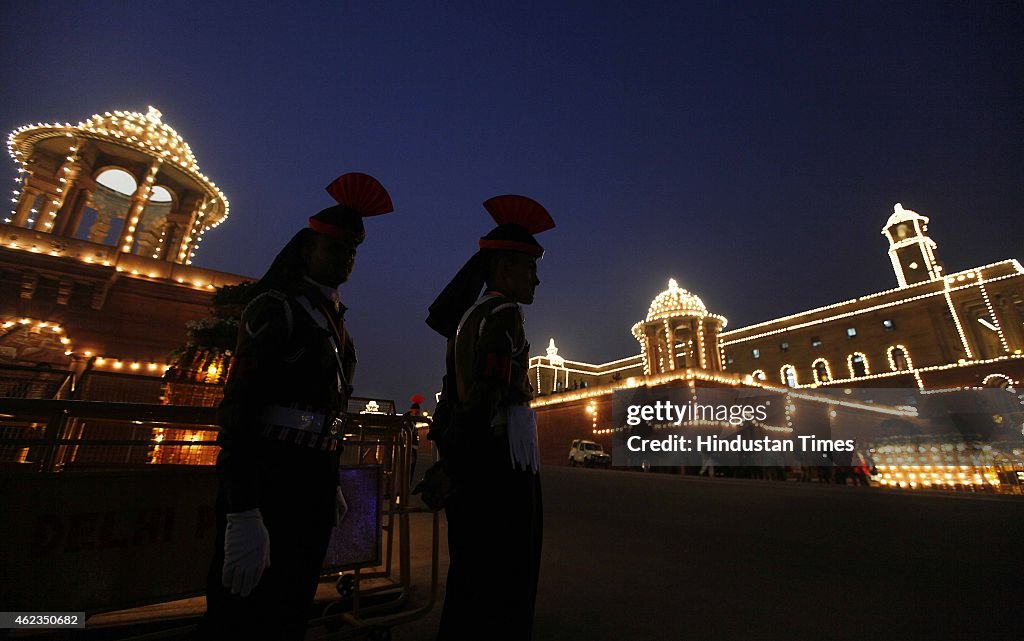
(149, 240)
(138, 202)
(64, 178)
(50, 205)
(696, 333)
(711, 345)
(165, 250)
(188, 239)
(70, 192)
(80, 185)
(28, 198)
(651, 345)
(69, 224)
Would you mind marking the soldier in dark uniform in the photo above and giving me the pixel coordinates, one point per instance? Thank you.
(486, 432)
(280, 417)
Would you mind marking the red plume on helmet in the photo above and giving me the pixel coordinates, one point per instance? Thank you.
(414, 409)
(519, 210)
(518, 218)
(358, 196)
(361, 193)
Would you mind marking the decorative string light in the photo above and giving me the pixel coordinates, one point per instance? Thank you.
(814, 370)
(1013, 265)
(893, 365)
(956, 317)
(670, 344)
(700, 342)
(784, 378)
(851, 359)
(30, 323)
(135, 367)
(991, 377)
(992, 315)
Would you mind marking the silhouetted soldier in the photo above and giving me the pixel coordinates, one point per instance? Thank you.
(281, 417)
(487, 433)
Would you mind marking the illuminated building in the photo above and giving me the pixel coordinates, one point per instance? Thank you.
(934, 332)
(96, 252)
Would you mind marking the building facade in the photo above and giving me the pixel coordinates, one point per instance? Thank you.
(938, 335)
(933, 329)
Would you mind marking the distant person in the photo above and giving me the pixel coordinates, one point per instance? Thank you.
(283, 405)
(487, 434)
(415, 409)
(707, 465)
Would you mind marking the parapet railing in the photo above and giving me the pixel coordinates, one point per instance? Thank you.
(52, 435)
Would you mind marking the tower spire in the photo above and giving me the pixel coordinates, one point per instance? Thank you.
(911, 250)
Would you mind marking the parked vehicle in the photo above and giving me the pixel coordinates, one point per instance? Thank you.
(588, 454)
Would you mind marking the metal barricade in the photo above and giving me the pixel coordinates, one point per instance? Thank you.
(112, 508)
(375, 598)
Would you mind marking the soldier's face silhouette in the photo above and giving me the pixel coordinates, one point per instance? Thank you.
(516, 277)
(330, 260)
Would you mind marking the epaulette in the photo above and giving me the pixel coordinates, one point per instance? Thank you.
(500, 307)
(274, 296)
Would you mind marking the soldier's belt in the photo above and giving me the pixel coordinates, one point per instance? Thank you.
(302, 427)
(307, 421)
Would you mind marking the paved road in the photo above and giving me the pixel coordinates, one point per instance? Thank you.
(649, 556)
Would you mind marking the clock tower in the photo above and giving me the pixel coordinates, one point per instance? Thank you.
(911, 250)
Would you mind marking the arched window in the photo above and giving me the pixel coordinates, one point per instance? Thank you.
(899, 358)
(858, 364)
(160, 194)
(821, 370)
(758, 375)
(119, 180)
(998, 381)
(788, 375)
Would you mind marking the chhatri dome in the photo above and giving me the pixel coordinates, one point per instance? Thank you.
(679, 333)
(675, 301)
(120, 182)
(900, 215)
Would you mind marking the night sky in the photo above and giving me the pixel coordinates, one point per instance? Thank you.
(751, 151)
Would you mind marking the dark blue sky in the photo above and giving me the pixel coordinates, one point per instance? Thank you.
(751, 151)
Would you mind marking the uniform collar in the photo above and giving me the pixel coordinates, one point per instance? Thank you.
(329, 293)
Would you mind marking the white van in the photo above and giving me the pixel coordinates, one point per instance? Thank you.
(589, 454)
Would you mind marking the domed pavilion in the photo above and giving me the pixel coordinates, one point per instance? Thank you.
(96, 252)
(679, 333)
(122, 182)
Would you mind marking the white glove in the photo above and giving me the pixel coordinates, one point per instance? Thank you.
(340, 507)
(246, 551)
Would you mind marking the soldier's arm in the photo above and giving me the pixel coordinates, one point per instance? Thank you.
(492, 364)
(349, 363)
(262, 334)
